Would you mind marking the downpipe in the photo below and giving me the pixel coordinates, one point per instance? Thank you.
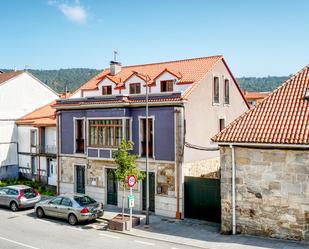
(233, 191)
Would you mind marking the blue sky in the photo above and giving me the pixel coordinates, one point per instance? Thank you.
(257, 38)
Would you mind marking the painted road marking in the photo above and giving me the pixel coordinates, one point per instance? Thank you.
(109, 236)
(44, 221)
(144, 242)
(75, 228)
(18, 243)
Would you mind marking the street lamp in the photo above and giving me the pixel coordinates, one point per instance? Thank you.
(147, 79)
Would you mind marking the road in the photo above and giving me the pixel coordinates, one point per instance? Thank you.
(22, 230)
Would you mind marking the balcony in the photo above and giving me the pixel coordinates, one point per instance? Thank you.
(46, 149)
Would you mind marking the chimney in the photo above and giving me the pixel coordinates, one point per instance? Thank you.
(115, 67)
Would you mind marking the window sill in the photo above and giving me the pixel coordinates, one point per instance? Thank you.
(227, 105)
(216, 104)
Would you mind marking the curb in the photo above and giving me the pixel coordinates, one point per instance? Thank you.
(157, 239)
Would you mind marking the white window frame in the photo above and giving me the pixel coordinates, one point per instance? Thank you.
(74, 135)
(140, 135)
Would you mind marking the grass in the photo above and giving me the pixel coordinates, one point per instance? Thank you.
(43, 190)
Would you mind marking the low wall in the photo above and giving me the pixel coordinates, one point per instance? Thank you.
(8, 172)
(272, 192)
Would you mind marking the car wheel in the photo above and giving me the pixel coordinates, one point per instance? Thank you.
(72, 220)
(40, 213)
(13, 206)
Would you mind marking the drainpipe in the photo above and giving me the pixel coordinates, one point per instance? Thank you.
(38, 153)
(58, 138)
(233, 190)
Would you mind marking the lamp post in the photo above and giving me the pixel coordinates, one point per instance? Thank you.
(147, 78)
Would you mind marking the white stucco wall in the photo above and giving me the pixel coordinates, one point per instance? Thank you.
(18, 97)
(202, 116)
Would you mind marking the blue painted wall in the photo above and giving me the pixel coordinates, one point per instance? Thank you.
(163, 128)
(8, 172)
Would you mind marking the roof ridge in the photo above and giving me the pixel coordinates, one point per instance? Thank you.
(172, 61)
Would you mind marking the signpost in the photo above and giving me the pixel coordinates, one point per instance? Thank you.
(131, 183)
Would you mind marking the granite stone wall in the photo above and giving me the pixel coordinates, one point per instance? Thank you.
(272, 192)
(202, 168)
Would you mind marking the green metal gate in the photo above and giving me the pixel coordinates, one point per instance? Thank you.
(202, 199)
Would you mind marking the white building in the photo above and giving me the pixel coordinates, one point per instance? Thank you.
(37, 145)
(20, 93)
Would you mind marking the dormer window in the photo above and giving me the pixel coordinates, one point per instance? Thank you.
(107, 90)
(135, 88)
(167, 85)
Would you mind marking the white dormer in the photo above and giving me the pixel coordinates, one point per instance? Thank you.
(165, 83)
(134, 85)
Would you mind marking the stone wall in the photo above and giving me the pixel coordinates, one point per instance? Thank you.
(165, 199)
(272, 192)
(202, 167)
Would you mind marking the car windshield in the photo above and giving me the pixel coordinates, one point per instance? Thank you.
(84, 200)
(28, 193)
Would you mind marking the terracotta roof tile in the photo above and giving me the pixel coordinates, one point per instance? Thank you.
(43, 116)
(282, 117)
(9, 75)
(188, 70)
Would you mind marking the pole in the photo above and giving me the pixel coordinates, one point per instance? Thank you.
(233, 191)
(131, 193)
(147, 154)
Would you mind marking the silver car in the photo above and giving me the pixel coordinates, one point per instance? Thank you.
(73, 208)
(18, 196)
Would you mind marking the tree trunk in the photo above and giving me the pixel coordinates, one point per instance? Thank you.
(123, 186)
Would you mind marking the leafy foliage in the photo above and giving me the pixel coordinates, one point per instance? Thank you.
(126, 163)
(263, 84)
(73, 78)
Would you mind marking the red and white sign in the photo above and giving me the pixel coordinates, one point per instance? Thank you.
(131, 181)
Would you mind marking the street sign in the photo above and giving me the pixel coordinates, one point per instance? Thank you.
(131, 181)
(131, 201)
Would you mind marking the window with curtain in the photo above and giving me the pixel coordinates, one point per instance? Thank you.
(216, 90)
(226, 91)
(108, 133)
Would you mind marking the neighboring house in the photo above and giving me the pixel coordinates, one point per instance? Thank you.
(254, 98)
(189, 102)
(20, 93)
(268, 148)
(37, 145)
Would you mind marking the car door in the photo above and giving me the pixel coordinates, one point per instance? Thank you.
(65, 207)
(4, 196)
(53, 206)
(12, 195)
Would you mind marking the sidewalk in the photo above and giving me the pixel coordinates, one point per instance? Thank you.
(200, 234)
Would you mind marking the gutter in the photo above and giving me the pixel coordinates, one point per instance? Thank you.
(265, 145)
(233, 190)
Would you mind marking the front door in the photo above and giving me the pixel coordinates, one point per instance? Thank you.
(111, 187)
(151, 192)
(52, 172)
(80, 179)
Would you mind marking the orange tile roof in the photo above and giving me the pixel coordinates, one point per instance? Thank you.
(9, 75)
(255, 95)
(43, 116)
(282, 117)
(188, 70)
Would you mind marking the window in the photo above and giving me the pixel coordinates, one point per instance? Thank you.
(107, 90)
(135, 88)
(56, 201)
(66, 202)
(143, 137)
(33, 138)
(167, 85)
(221, 124)
(216, 90)
(84, 200)
(226, 92)
(79, 136)
(34, 166)
(107, 133)
(13, 192)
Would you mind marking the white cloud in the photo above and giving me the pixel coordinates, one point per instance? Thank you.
(75, 13)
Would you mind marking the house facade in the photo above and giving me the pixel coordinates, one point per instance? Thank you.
(37, 145)
(255, 98)
(265, 165)
(184, 95)
(20, 93)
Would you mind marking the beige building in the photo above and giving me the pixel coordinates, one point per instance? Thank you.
(265, 165)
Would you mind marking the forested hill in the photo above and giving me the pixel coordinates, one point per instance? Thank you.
(262, 84)
(74, 77)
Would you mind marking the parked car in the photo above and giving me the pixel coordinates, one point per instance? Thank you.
(18, 196)
(74, 208)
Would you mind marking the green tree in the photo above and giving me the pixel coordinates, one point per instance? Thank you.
(126, 166)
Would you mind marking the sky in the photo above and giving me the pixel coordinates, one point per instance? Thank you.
(256, 37)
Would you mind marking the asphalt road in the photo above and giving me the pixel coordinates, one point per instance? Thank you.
(22, 230)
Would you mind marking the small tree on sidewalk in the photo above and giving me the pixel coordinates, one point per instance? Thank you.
(126, 166)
